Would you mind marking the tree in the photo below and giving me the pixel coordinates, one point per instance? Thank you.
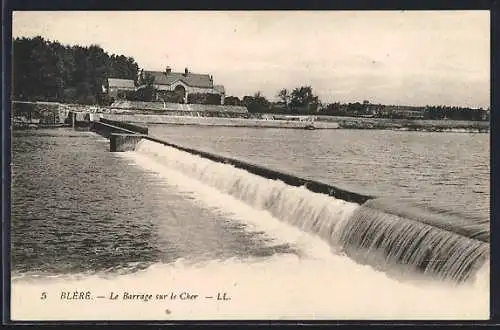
(256, 103)
(204, 98)
(232, 100)
(49, 71)
(284, 96)
(303, 99)
(148, 91)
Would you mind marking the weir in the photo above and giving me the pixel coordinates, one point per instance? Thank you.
(107, 129)
(126, 126)
(381, 238)
(387, 233)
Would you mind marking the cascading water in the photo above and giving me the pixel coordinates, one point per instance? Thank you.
(381, 238)
(382, 233)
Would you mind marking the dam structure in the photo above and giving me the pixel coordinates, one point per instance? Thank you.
(399, 236)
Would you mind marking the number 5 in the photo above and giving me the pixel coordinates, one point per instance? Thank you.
(44, 296)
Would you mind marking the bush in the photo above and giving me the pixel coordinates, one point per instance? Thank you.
(204, 98)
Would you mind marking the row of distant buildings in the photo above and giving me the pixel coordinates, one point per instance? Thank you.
(181, 83)
(403, 111)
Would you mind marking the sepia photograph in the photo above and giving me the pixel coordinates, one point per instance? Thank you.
(250, 165)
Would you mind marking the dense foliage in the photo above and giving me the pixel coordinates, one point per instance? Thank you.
(232, 100)
(49, 71)
(404, 112)
(302, 101)
(148, 92)
(457, 113)
(204, 98)
(256, 103)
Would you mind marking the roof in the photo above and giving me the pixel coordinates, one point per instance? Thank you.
(120, 83)
(192, 79)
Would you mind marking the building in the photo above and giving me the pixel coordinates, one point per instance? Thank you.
(182, 83)
(117, 88)
(401, 111)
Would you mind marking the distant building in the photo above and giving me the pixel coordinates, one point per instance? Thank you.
(406, 112)
(117, 88)
(183, 83)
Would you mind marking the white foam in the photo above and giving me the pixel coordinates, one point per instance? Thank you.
(315, 213)
(255, 219)
(279, 287)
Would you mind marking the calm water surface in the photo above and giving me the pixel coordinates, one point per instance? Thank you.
(76, 207)
(445, 168)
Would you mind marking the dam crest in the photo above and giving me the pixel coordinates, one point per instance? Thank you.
(388, 234)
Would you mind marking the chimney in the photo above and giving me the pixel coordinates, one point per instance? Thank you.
(186, 71)
(168, 70)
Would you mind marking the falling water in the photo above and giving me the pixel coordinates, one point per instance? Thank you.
(384, 239)
(386, 234)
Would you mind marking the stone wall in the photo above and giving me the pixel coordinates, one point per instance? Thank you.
(212, 121)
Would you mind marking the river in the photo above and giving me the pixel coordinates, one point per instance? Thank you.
(87, 219)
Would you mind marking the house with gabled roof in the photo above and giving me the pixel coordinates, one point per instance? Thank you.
(182, 83)
(117, 88)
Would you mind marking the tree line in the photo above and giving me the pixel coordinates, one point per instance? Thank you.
(302, 101)
(49, 71)
(44, 70)
(427, 112)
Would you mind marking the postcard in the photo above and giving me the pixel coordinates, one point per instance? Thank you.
(250, 165)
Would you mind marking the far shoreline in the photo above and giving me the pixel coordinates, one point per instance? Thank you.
(443, 126)
(59, 114)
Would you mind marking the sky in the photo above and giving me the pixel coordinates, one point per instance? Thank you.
(388, 57)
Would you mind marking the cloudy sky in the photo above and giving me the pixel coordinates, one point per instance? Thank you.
(385, 57)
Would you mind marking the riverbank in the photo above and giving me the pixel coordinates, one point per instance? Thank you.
(320, 122)
(410, 125)
(24, 126)
(216, 121)
(59, 113)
